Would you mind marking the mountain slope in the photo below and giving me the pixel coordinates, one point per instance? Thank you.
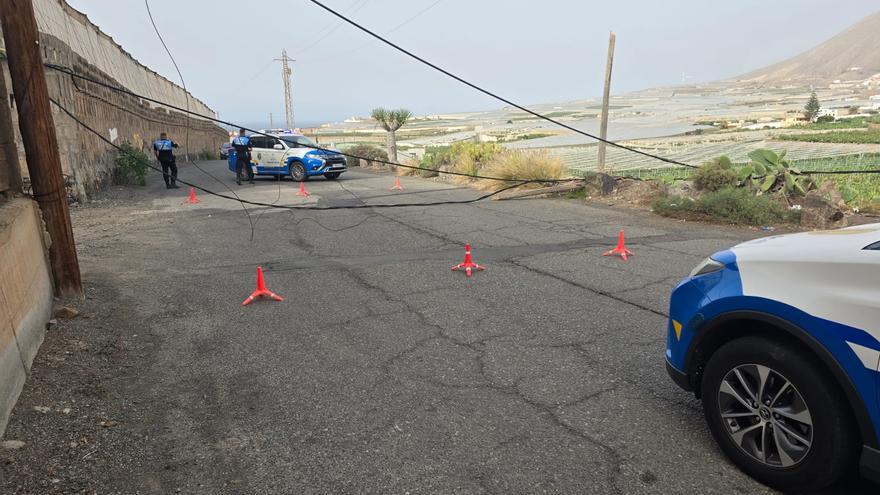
(858, 46)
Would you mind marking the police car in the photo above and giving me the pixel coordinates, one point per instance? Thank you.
(284, 153)
(779, 337)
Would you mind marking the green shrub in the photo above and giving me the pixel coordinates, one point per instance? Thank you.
(714, 175)
(368, 152)
(131, 165)
(852, 136)
(463, 157)
(434, 158)
(730, 204)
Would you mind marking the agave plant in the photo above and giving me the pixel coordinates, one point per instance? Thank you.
(769, 171)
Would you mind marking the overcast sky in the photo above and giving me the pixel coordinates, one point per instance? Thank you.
(528, 51)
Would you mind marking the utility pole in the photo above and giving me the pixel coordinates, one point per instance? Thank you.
(271, 124)
(288, 92)
(603, 127)
(10, 170)
(40, 142)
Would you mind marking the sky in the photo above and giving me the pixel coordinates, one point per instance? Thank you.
(529, 52)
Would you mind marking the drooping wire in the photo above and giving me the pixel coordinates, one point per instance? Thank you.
(494, 95)
(187, 114)
(386, 33)
(281, 207)
(72, 73)
(330, 31)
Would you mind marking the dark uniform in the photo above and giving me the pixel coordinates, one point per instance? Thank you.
(242, 145)
(163, 149)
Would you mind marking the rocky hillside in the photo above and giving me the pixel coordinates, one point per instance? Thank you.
(858, 46)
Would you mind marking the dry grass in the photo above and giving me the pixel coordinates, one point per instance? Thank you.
(404, 171)
(522, 165)
(465, 164)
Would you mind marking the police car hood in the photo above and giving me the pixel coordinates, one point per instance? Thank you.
(823, 244)
(827, 274)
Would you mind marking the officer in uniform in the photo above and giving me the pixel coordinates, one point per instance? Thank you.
(242, 145)
(163, 148)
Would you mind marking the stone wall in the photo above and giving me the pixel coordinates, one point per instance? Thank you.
(69, 39)
(25, 296)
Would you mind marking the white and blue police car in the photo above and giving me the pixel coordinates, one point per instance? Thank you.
(780, 338)
(284, 153)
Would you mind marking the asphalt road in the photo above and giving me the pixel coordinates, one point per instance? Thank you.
(382, 371)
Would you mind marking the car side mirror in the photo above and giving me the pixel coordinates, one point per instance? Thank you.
(278, 147)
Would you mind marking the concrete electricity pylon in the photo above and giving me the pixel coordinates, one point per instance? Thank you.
(286, 72)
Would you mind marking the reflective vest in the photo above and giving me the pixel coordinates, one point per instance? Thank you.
(241, 141)
(163, 145)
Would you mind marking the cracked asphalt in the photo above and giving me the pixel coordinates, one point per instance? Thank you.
(382, 371)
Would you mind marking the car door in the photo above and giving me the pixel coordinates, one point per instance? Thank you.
(272, 157)
(258, 145)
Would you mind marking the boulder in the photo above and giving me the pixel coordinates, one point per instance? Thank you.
(684, 189)
(597, 184)
(829, 191)
(820, 213)
(640, 192)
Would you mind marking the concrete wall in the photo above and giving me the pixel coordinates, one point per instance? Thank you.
(69, 39)
(25, 296)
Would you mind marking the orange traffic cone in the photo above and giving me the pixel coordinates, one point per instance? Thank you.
(397, 186)
(261, 290)
(621, 248)
(468, 264)
(192, 197)
(302, 190)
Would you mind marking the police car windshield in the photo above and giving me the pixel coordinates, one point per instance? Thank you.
(301, 141)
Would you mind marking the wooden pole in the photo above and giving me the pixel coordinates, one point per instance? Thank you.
(603, 128)
(40, 142)
(10, 170)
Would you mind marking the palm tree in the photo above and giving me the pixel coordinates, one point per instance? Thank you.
(391, 121)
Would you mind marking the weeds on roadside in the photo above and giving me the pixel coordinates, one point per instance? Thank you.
(731, 204)
(131, 166)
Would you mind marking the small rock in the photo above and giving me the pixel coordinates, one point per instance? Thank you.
(108, 424)
(818, 212)
(65, 312)
(73, 445)
(12, 444)
(648, 477)
(42, 409)
(66, 410)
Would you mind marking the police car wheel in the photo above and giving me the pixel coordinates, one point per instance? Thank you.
(778, 415)
(298, 172)
(332, 175)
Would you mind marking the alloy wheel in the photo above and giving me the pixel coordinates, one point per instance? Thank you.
(765, 415)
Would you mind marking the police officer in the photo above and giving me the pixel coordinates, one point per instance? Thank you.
(163, 148)
(242, 145)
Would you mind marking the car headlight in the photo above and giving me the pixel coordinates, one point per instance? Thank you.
(708, 265)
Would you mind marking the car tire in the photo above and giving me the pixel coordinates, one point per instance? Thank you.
(332, 175)
(298, 172)
(833, 441)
